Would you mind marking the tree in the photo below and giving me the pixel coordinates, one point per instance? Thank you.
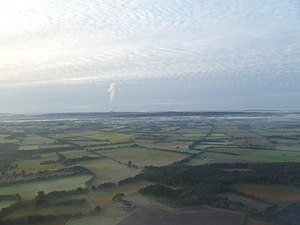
(118, 197)
(129, 163)
(97, 209)
(40, 199)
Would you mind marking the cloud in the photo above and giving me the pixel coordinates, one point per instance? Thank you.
(224, 44)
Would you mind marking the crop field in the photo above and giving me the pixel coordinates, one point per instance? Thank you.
(28, 147)
(144, 157)
(256, 222)
(4, 139)
(109, 216)
(6, 154)
(238, 151)
(172, 145)
(150, 216)
(84, 143)
(54, 146)
(30, 189)
(107, 170)
(52, 210)
(198, 161)
(35, 142)
(78, 154)
(256, 156)
(291, 213)
(33, 166)
(186, 137)
(54, 222)
(279, 194)
(110, 146)
(112, 137)
(199, 130)
(104, 197)
(249, 202)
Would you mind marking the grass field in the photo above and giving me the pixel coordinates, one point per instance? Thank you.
(77, 154)
(33, 165)
(109, 216)
(112, 137)
(239, 151)
(29, 190)
(89, 143)
(144, 157)
(107, 170)
(52, 210)
(104, 197)
(54, 222)
(4, 139)
(37, 140)
(257, 156)
(6, 203)
(274, 193)
(28, 147)
(256, 222)
(198, 161)
(158, 216)
(34, 142)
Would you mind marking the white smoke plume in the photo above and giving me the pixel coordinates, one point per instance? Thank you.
(112, 93)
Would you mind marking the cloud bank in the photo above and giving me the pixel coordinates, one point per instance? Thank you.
(222, 44)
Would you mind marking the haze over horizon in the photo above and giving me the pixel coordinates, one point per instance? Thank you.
(62, 56)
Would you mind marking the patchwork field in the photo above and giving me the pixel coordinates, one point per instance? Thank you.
(144, 157)
(119, 145)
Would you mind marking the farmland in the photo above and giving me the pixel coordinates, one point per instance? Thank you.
(30, 190)
(279, 194)
(108, 171)
(144, 157)
(68, 165)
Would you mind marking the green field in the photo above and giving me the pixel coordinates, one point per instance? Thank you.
(238, 151)
(52, 210)
(34, 165)
(112, 137)
(144, 157)
(107, 170)
(4, 139)
(109, 216)
(77, 154)
(37, 140)
(257, 156)
(4, 204)
(34, 142)
(30, 189)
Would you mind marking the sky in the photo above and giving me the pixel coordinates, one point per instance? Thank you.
(63, 55)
